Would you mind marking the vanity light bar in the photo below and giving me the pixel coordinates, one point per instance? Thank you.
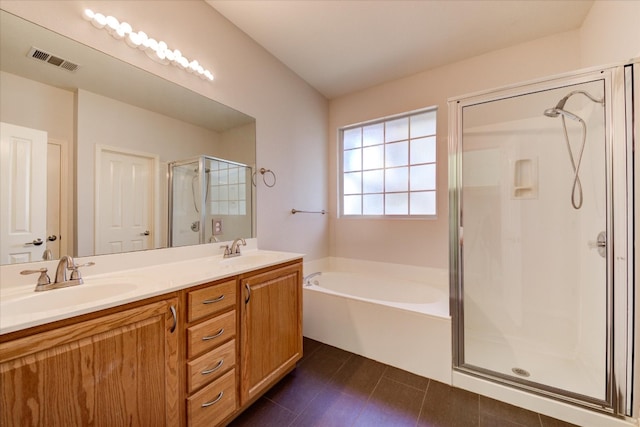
(156, 50)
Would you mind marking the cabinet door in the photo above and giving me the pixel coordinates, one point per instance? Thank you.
(271, 328)
(116, 370)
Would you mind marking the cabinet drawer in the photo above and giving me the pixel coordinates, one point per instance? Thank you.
(210, 366)
(210, 300)
(213, 403)
(207, 335)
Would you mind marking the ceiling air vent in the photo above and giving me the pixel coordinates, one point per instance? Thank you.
(41, 55)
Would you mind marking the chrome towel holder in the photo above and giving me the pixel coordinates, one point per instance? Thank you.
(295, 211)
(264, 171)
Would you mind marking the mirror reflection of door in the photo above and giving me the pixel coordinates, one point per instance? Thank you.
(124, 214)
(54, 201)
(23, 197)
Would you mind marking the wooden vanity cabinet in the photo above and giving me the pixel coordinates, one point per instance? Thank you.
(197, 357)
(116, 369)
(271, 327)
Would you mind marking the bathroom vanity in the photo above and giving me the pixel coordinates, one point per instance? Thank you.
(222, 333)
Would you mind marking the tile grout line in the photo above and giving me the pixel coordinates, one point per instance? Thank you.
(324, 386)
(424, 399)
(373, 390)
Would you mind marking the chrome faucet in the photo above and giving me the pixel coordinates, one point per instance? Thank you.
(235, 246)
(66, 262)
(307, 279)
(61, 280)
(234, 250)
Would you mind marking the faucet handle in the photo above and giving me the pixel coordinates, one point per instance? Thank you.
(227, 251)
(44, 277)
(75, 273)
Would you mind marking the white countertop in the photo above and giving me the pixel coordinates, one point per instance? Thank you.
(21, 307)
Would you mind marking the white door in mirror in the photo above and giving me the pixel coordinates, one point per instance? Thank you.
(23, 197)
(125, 209)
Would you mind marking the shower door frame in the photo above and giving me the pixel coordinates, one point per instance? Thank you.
(619, 228)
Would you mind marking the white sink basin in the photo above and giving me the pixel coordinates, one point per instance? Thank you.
(55, 299)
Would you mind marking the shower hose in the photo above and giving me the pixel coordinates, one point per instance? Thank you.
(576, 190)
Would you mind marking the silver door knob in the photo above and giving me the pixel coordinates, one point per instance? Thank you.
(146, 233)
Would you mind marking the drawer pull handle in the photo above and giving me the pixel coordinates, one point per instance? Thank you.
(211, 301)
(214, 401)
(220, 332)
(248, 288)
(212, 370)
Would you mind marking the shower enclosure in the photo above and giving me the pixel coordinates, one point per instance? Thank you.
(210, 200)
(541, 238)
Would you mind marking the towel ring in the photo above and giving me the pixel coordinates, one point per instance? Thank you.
(263, 172)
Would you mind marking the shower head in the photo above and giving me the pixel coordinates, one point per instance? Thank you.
(559, 108)
(555, 112)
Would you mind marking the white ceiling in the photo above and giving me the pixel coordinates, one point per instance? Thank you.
(342, 46)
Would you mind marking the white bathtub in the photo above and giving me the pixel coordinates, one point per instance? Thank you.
(398, 315)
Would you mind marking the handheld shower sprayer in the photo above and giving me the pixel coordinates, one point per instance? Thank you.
(558, 110)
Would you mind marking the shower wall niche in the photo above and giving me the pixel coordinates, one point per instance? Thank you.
(210, 200)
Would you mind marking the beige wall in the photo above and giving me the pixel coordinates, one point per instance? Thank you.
(425, 242)
(291, 128)
(609, 34)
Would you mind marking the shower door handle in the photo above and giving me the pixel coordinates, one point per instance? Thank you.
(600, 244)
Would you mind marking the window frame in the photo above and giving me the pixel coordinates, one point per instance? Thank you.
(341, 167)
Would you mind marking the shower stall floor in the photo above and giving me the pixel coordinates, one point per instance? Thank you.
(505, 357)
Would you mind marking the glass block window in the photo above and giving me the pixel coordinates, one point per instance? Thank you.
(388, 167)
(227, 186)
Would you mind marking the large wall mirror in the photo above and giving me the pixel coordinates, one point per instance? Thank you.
(86, 154)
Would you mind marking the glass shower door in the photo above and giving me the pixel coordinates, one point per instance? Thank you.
(534, 269)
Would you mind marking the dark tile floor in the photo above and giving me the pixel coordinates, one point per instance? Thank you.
(332, 387)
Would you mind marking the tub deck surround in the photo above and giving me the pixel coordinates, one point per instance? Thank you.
(107, 286)
(413, 336)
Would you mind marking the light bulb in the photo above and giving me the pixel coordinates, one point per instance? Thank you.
(151, 44)
(88, 14)
(183, 63)
(112, 24)
(133, 40)
(143, 40)
(123, 30)
(99, 20)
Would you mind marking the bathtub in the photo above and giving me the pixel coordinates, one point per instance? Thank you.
(398, 315)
